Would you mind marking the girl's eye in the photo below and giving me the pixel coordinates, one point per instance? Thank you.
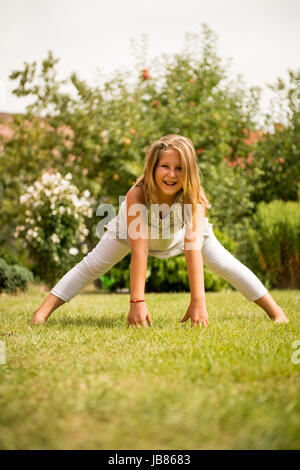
(166, 166)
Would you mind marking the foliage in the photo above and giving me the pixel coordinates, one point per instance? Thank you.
(13, 277)
(274, 242)
(277, 154)
(53, 224)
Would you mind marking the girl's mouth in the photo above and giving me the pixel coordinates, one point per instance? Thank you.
(169, 184)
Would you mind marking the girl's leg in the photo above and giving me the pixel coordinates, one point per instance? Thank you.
(96, 263)
(223, 263)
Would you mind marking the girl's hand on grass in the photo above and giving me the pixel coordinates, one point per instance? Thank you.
(138, 315)
(197, 313)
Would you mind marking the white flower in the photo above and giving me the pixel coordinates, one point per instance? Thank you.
(73, 251)
(68, 176)
(73, 189)
(38, 185)
(56, 258)
(61, 209)
(86, 193)
(24, 198)
(46, 178)
(29, 234)
(84, 249)
(85, 231)
(90, 212)
(54, 238)
(54, 212)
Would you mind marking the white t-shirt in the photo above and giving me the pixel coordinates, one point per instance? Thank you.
(160, 248)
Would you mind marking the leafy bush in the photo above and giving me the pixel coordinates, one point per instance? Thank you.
(9, 255)
(277, 153)
(14, 277)
(274, 242)
(53, 224)
(165, 275)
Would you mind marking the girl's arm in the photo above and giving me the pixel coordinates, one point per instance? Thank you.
(193, 255)
(194, 263)
(138, 312)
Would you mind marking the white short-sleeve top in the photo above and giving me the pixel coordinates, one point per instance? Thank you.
(162, 243)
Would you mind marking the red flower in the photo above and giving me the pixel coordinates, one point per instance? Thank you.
(192, 80)
(281, 160)
(200, 151)
(279, 126)
(155, 103)
(192, 104)
(145, 74)
(126, 141)
(250, 158)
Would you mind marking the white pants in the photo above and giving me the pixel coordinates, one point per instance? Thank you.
(110, 251)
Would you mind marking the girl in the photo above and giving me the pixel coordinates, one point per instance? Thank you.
(171, 179)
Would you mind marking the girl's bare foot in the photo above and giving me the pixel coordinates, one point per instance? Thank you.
(44, 311)
(280, 317)
(38, 318)
(272, 308)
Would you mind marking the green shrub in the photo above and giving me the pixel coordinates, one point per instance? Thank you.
(8, 255)
(275, 242)
(165, 275)
(13, 277)
(53, 225)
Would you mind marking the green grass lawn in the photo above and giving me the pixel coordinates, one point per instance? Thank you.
(86, 381)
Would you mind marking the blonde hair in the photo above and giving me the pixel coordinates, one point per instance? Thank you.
(192, 191)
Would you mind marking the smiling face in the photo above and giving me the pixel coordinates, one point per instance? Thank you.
(168, 175)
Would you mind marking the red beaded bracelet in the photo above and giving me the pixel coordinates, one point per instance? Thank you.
(143, 300)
